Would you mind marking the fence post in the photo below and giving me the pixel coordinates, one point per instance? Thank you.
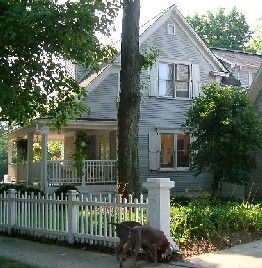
(72, 215)
(159, 204)
(11, 210)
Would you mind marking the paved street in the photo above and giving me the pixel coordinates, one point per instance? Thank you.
(47, 256)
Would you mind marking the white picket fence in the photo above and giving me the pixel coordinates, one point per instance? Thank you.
(72, 218)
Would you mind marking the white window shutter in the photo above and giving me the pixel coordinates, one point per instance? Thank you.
(153, 78)
(154, 151)
(196, 88)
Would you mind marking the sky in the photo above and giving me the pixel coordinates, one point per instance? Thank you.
(252, 10)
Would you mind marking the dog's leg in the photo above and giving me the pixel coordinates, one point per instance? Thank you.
(136, 252)
(118, 250)
(135, 237)
(127, 246)
(153, 253)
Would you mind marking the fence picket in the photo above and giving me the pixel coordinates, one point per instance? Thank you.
(48, 215)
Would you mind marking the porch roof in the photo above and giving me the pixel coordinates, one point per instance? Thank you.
(83, 124)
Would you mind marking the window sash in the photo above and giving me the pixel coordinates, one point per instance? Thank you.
(174, 154)
(171, 83)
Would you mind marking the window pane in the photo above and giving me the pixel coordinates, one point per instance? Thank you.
(167, 150)
(166, 79)
(171, 72)
(163, 71)
(182, 89)
(162, 87)
(182, 72)
(183, 150)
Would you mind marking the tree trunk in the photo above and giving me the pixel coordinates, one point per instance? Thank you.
(129, 105)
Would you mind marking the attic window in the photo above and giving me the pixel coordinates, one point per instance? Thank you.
(171, 29)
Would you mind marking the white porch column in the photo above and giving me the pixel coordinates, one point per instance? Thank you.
(159, 204)
(44, 153)
(30, 142)
(9, 161)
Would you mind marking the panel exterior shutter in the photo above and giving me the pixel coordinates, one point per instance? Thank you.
(153, 81)
(195, 80)
(154, 151)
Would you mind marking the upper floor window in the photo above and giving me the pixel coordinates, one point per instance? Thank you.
(171, 29)
(174, 80)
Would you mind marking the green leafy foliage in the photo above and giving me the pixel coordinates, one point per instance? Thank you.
(4, 187)
(54, 149)
(12, 263)
(21, 150)
(3, 151)
(255, 44)
(35, 36)
(198, 220)
(150, 55)
(222, 30)
(81, 151)
(63, 189)
(226, 131)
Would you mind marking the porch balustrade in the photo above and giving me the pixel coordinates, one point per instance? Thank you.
(95, 171)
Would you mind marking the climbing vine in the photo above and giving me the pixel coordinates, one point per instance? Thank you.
(81, 151)
(21, 150)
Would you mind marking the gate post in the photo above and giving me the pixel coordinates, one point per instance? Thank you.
(159, 204)
(11, 210)
(72, 215)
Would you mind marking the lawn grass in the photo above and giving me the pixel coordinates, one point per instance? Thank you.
(11, 263)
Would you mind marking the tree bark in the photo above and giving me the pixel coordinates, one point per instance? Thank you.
(129, 105)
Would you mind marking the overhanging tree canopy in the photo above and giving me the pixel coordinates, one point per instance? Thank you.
(255, 44)
(222, 30)
(33, 33)
(226, 132)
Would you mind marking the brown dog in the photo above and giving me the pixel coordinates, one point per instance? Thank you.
(122, 231)
(152, 238)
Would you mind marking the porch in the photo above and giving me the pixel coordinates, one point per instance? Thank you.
(82, 154)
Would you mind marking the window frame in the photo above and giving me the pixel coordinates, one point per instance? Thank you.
(175, 151)
(190, 82)
(173, 26)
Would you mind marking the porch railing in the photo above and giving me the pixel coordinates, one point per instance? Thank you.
(95, 171)
(99, 171)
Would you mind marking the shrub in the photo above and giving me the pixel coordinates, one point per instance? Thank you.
(19, 188)
(63, 189)
(210, 219)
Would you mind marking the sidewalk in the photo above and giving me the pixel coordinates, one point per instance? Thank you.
(242, 256)
(47, 256)
(51, 256)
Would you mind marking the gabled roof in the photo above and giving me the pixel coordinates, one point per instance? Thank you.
(152, 25)
(256, 86)
(173, 12)
(237, 57)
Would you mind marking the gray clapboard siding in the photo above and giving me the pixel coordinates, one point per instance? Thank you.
(244, 78)
(155, 112)
(102, 99)
(81, 72)
(167, 113)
